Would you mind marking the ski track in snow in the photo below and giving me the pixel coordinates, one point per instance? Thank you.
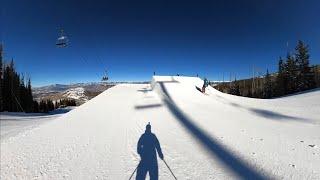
(214, 136)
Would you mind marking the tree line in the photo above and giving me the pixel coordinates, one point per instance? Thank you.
(16, 92)
(295, 74)
(45, 106)
(65, 102)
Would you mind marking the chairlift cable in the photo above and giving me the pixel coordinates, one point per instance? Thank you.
(62, 42)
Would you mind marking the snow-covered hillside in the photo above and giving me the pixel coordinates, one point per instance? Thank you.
(80, 92)
(213, 136)
(63, 87)
(76, 93)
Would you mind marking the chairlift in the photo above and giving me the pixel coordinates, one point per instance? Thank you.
(62, 40)
(105, 77)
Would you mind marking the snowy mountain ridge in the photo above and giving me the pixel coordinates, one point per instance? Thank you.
(64, 87)
(76, 93)
(81, 92)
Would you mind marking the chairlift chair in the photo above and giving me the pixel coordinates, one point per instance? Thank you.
(62, 40)
(105, 77)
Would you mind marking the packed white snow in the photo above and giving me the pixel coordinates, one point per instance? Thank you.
(13, 123)
(203, 136)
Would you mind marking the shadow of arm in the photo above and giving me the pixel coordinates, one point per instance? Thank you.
(158, 147)
(139, 146)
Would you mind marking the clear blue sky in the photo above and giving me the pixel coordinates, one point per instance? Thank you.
(134, 38)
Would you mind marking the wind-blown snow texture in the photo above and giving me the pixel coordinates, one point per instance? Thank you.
(214, 136)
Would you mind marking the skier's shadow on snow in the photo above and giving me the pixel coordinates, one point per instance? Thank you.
(148, 146)
(234, 163)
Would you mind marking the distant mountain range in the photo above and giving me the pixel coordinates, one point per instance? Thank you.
(81, 92)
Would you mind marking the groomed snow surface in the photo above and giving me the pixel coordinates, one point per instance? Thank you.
(213, 136)
(13, 123)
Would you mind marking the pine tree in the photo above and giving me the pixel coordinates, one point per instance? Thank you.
(29, 97)
(56, 106)
(267, 86)
(14, 95)
(1, 80)
(43, 107)
(305, 78)
(15, 90)
(5, 87)
(281, 79)
(50, 105)
(9, 95)
(35, 107)
(291, 75)
(23, 97)
(235, 88)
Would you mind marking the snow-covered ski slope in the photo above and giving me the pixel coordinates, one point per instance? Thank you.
(213, 136)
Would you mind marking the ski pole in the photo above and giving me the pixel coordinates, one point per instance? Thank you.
(134, 171)
(169, 169)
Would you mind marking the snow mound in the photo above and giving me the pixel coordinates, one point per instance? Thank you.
(212, 136)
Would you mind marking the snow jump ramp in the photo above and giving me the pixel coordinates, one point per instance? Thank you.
(218, 136)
